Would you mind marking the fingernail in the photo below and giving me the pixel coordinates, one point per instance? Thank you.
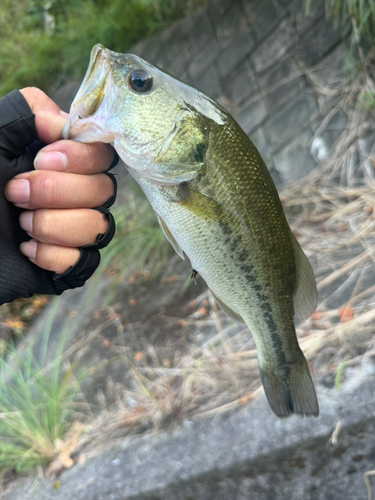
(54, 160)
(63, 113)
(29, 249)
(18, 191)
(26, 221)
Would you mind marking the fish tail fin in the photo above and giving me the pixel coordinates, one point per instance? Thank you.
(292, 392)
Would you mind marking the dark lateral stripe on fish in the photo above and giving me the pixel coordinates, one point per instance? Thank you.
(275, 337)
(248, 270)
(226, 229)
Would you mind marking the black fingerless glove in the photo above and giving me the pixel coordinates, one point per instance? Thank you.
(19, 277)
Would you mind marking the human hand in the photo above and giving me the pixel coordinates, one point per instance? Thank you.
(58, 197)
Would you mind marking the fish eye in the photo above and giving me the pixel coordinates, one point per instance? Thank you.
(140, 81)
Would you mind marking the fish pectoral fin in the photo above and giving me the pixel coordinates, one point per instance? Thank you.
(203, 205)
(292, 393)
(305, 296)
(170, 237)
(233, 315)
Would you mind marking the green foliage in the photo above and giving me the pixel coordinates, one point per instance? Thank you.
(46, 42)
(36, 403)
(360, 14)
(340, 373)
(367, 100)
(166, 11)
(356, 17)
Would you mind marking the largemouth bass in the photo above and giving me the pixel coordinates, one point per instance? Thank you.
(216, 203)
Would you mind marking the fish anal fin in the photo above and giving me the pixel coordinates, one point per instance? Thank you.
(170, 237)
(290, 394)
(233, 315)
(305, 296)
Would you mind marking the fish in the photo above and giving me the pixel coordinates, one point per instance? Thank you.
(216, 203)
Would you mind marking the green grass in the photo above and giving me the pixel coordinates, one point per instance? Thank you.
(42, 55)
(355, 18)
(339, 376)
(37, 402)
(367, 100)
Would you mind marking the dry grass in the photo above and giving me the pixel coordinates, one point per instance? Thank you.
(332, 213)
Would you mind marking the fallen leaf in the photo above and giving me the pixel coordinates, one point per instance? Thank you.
(246, 398)
(14, 324)
(133, 278)
(67, 461)
(345, 313)
(171, 279)
(316, 315)
(39, 301)
(138, 357)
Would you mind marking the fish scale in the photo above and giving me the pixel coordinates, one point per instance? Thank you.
(216, 203)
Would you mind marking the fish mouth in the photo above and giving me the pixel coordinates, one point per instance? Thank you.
(74, 127)
(92, 87)
(84, 120)
(85, 130)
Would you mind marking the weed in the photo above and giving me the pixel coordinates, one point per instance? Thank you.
(354, 18)
(367, 100)
(37, 401)
(340, 373)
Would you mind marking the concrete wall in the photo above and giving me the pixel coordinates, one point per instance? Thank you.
(258, 59)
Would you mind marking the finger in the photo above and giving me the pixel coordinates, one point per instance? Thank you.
(75, 157)
(50, 257)
(49, 119)
(69, 227)
(49, 122)
(44, 189)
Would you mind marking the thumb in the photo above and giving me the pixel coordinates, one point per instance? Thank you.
(49, 119)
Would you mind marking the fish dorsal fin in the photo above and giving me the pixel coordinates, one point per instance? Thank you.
(236, 317)
(170, 237)
(305, 297)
